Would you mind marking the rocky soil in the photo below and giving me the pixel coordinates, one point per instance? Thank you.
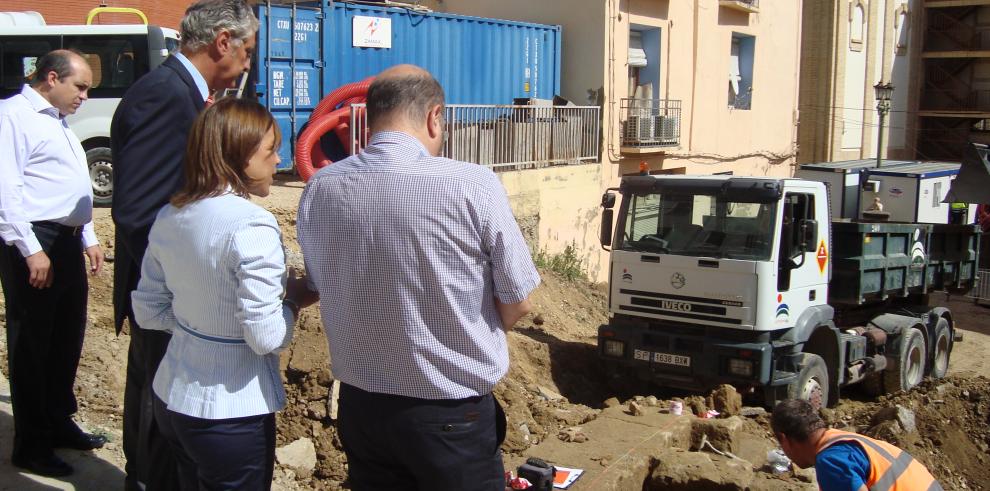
(556, 399)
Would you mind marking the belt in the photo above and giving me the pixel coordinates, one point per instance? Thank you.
(62, 229)
(215, 339)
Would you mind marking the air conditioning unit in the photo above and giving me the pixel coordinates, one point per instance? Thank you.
(666, 127)
(639, 129)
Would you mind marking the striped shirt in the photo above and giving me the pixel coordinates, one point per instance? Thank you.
(213, 276)
(409, 253)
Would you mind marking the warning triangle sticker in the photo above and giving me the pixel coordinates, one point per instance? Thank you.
(822, 257)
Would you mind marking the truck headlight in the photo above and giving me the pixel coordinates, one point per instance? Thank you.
(615, 348)
(742, 368)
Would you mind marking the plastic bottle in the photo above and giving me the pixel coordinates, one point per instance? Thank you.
(777, 461)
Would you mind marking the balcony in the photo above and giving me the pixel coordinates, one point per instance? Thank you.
(650, 125)
(748, 6)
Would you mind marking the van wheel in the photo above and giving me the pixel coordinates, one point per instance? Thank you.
(909, 364)
(812, 382)
(940, 349)
(101, 174)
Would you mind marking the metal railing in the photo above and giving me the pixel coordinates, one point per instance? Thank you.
(933, 99)
(981, 288)
(503, 137)
(650, 122)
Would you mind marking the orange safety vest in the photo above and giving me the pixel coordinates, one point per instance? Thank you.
(891, 469)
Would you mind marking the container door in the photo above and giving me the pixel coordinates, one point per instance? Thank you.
(289, 68)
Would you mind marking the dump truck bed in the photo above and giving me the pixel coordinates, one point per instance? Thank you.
(876, 261)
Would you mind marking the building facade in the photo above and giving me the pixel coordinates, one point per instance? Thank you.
(954, 106)
(847, 47)
(165, 13)
(689, 87)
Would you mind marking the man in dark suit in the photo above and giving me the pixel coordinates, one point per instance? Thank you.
(148, 140)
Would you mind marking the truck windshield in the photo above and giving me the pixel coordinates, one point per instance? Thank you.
(698, 225)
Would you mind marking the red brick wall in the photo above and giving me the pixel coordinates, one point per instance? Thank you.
(165, 13)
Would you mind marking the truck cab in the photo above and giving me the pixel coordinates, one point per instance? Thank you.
(720, 279)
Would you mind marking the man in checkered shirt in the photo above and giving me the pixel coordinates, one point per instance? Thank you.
(421, 268)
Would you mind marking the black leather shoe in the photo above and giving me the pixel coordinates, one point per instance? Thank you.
(50, 466)
(80, 441)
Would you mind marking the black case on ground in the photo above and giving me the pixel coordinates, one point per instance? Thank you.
(537, 472)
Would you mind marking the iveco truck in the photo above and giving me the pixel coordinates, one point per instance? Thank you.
(749, 282)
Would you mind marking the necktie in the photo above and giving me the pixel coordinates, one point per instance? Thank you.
(209, 101)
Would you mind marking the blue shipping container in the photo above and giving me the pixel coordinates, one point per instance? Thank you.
(476, 60)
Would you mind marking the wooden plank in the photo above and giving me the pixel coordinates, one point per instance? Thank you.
(956, 114)
(954, 3)
(956, 54)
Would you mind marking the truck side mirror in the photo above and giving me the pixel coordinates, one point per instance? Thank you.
(606, 231)
(608, 200)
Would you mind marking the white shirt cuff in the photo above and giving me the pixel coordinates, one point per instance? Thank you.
(28, 245)
(89, 236)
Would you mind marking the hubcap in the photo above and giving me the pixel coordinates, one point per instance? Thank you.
(915, 364)
(942, 353)
(813, 393)
(101, 174)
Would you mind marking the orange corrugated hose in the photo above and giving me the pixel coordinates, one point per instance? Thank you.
(325, 118)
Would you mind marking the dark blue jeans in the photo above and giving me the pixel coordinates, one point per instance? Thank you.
(220, 454)
(402, 443)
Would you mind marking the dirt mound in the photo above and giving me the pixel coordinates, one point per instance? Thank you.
(952, 435)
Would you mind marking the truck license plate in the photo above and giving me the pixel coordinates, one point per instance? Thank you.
(669, 359)
(641, 355)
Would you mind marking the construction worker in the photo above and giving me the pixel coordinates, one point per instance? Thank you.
(845, 461)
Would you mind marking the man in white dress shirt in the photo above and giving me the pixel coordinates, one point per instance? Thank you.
(46, 208)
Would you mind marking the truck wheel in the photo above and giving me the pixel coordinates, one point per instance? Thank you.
(812, 383)
(940, 350)
(872, 384)
(101, 174)
(909, 364)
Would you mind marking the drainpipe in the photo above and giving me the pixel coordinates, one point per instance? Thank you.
(694, 75)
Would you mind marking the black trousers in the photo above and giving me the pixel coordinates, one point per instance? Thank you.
(44, 339)
(150, 459)
(403, 443)
(220, 454)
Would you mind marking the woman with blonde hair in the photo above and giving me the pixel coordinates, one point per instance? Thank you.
(214, 275)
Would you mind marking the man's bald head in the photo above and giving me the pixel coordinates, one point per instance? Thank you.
(402, 96)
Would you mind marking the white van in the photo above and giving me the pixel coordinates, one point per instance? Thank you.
(118, 55)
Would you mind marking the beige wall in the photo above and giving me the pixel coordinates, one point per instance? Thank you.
(558, 206)
(715, 138)
(561, 204)
(838, 109)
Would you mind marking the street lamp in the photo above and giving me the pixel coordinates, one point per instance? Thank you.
(883, 92)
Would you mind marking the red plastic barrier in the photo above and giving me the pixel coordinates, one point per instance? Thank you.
(307, 145)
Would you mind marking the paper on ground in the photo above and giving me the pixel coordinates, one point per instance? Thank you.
(564, 477)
